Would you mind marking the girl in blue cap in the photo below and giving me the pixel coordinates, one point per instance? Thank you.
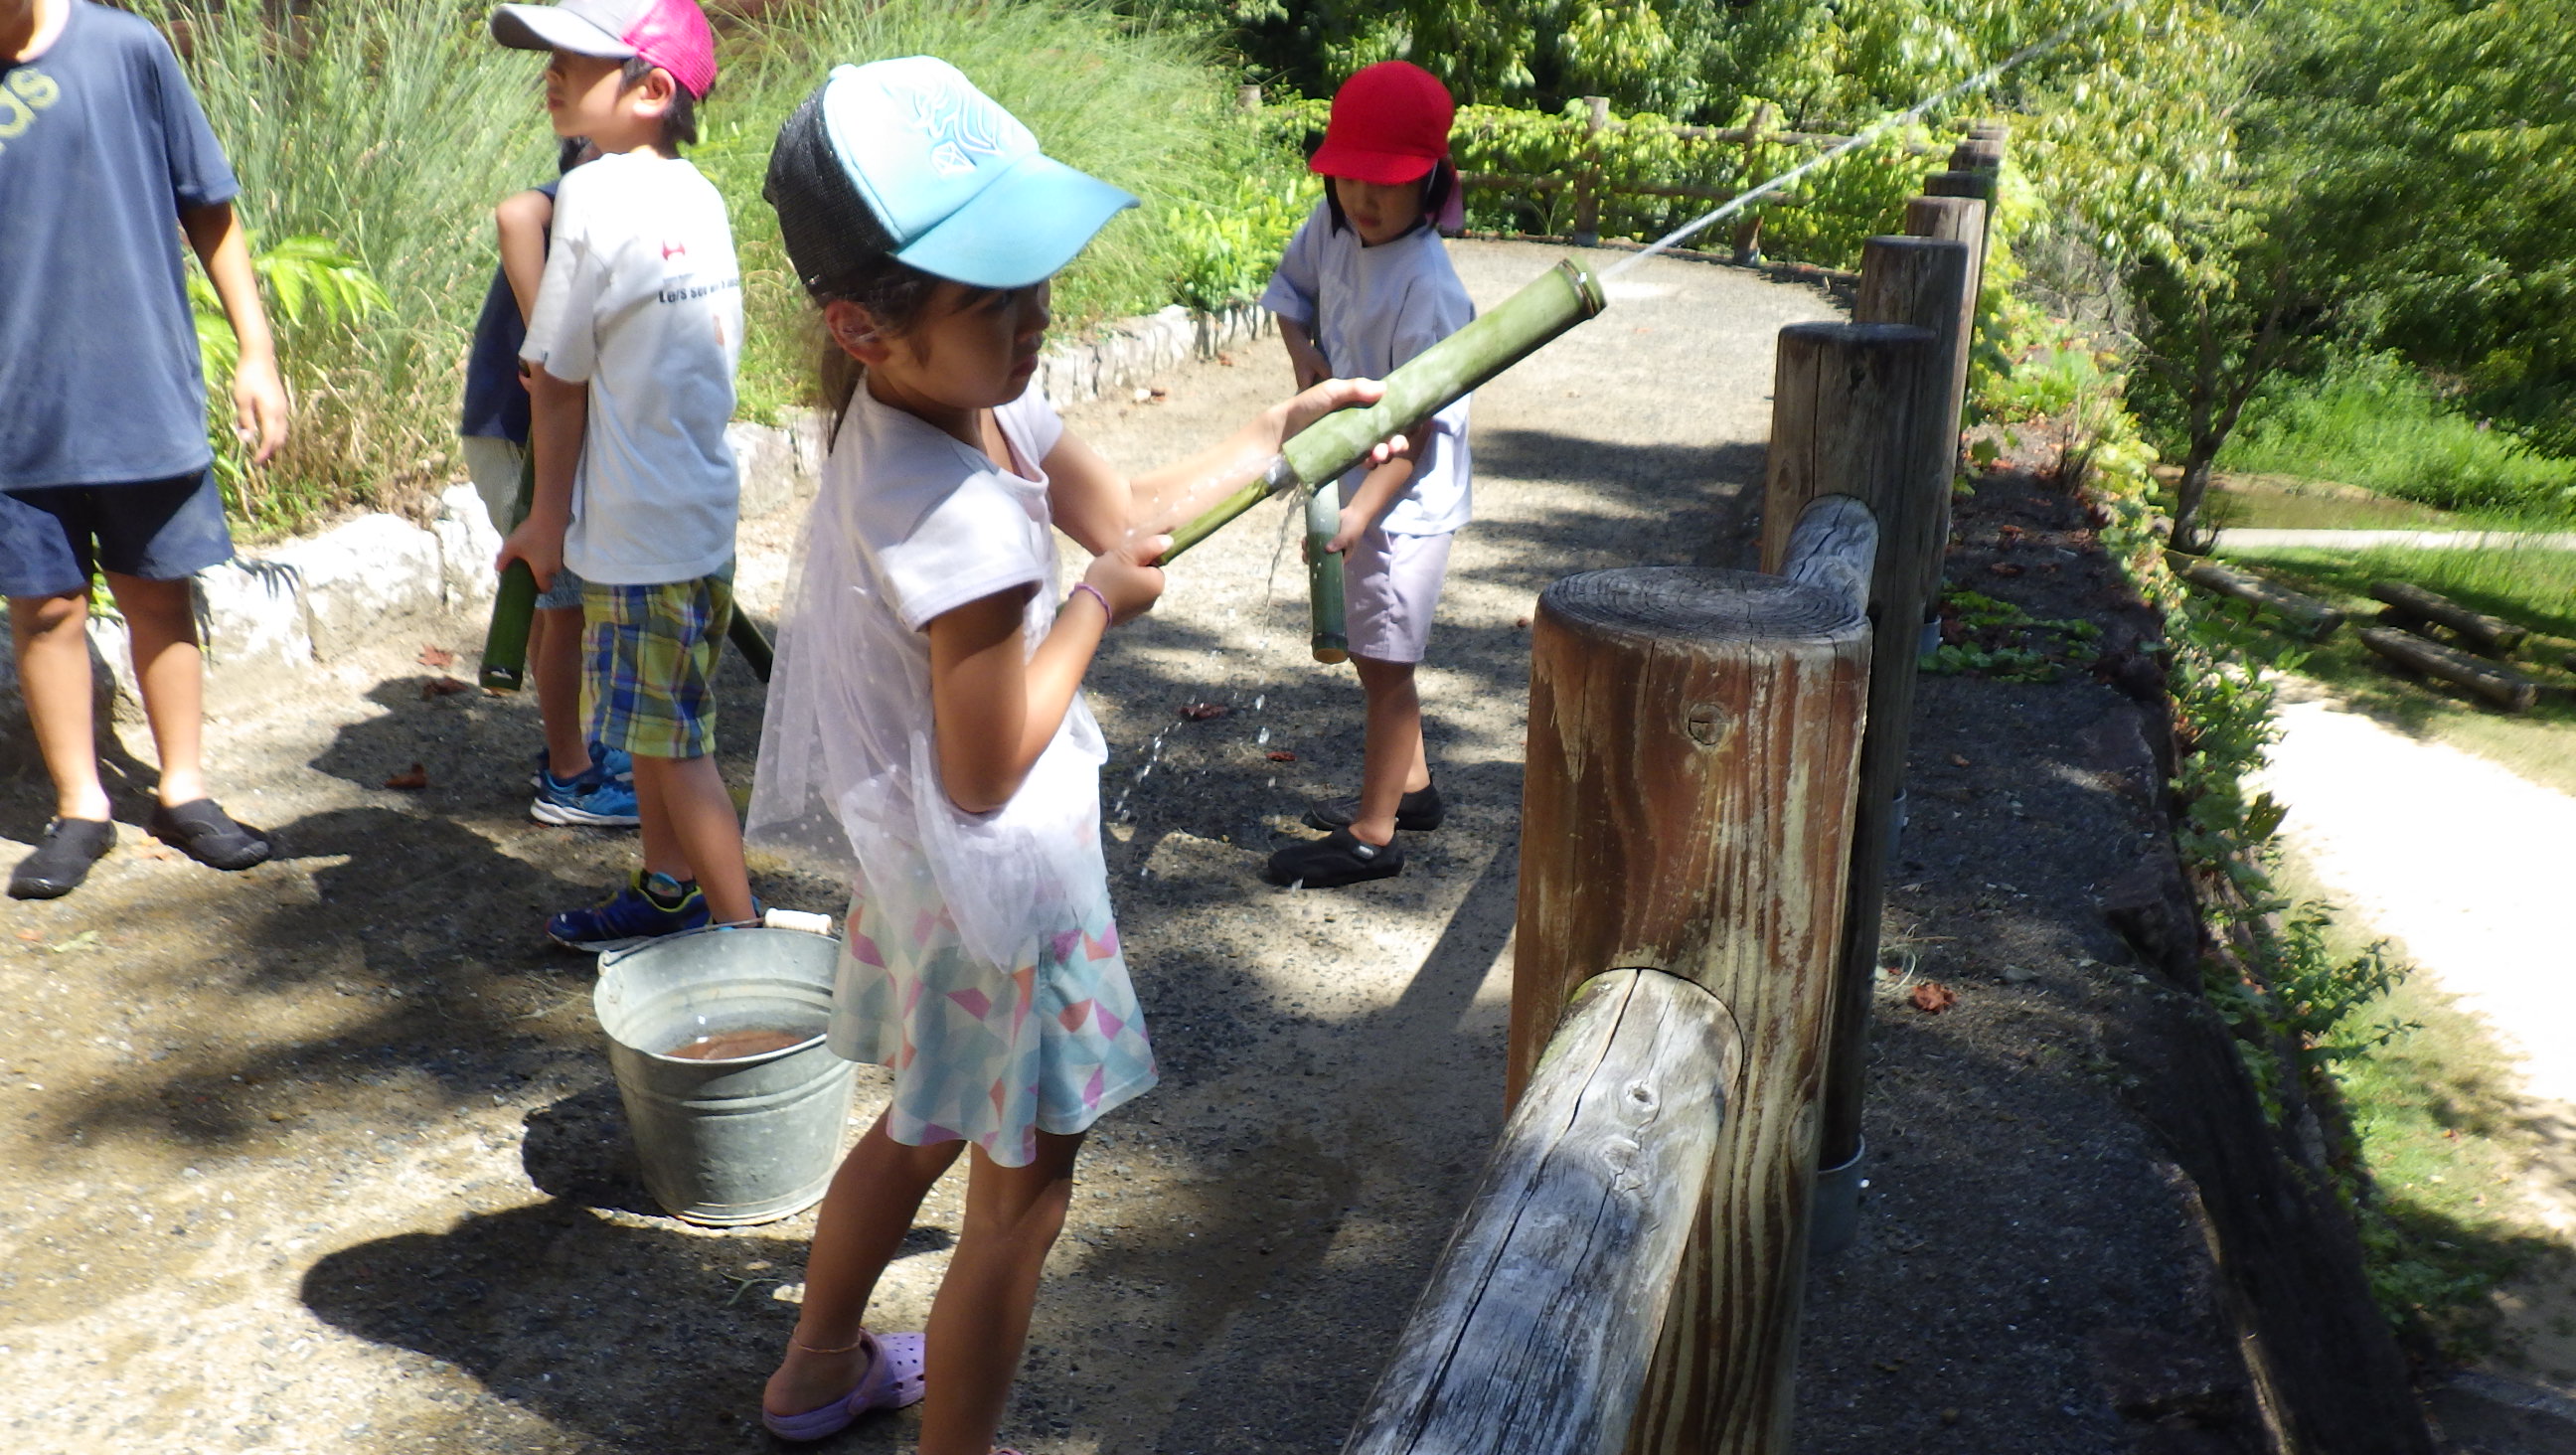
(926, 727)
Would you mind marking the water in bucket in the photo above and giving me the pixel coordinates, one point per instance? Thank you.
(716, 1037)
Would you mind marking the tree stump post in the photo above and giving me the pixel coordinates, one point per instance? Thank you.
(1589, 177)
(1748, 233)
(1927, 283)
(1687, 807)
(1855, 411)
(1959, 220)
(1247, 98)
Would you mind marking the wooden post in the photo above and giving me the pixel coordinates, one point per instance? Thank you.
(1686, 806)
(1748, 233)
(1978, 154)
(1534, 1333)
(1588, 179)
(1247, 98)
(1925, 282)
(1855, 412)
(1961, 220)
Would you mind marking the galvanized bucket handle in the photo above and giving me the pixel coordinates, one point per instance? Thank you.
(612, 957)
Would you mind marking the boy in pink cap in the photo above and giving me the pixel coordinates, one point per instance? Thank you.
(630, 356)
(1366, 285)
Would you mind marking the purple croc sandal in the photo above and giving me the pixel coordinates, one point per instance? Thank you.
(893, 1381)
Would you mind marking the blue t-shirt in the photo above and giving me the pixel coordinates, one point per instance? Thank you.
(102, 146)
(496, 403)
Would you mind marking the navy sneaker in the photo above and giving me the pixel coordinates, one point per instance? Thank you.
(593, 800)
(628, 918)
(614, 762)
(1334, 860)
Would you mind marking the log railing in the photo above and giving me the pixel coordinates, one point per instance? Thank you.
(1708, 795)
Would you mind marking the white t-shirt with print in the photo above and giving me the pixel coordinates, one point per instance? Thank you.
(909, 524)
(1370, 309)
(642, 300)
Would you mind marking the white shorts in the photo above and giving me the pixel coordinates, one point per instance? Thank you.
(1390, 587)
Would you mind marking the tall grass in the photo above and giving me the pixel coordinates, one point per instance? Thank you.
(393, 126)
(2373, 421)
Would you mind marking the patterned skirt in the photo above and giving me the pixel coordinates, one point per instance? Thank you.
(980, 1053)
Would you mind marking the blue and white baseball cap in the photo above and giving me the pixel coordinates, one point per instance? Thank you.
(907, 157)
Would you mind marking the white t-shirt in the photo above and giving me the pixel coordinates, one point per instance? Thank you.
(909, 524)
(1370, 309)
(642, 301)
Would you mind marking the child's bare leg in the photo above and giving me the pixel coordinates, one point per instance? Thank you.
(52, 639)
(690, 831)
(1394, 763)
(161, 623)
(865, 1215)
(554, 659)
(980, 1321)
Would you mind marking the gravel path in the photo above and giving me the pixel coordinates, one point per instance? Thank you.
(324, 1157)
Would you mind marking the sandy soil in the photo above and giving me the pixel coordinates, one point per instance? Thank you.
(325, 1156)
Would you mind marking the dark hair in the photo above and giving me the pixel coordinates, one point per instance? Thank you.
(680, 122)
(1437, 184)
(567, 152)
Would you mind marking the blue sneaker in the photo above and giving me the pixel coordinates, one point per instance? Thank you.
(593, 800)
(617, 763)
(627, 918)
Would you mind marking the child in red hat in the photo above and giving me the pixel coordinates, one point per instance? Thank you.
(1366, 285)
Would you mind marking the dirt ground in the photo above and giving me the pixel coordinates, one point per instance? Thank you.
(326, 1156)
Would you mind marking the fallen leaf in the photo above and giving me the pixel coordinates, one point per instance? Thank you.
(1226, 360)
(1932, 997)
(2004, 568)
(443, 687)
(1520, 623)
(1282, 755)
(1957, 761)
(435, 656)
(412, 780)
(152, 848)
(31, 936)
(85, 940)
(1202, 711)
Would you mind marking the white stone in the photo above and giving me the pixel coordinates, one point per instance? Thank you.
(467, 542)
(764, 459)
(365, 580)
(250, 612)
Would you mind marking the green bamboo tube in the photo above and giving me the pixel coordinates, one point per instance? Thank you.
(1517, 327)
(514, 605)
(1324, 572)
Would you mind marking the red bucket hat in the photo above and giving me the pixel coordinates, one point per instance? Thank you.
(1390, 124)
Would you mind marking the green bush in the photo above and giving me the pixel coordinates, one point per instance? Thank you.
(2373, 421)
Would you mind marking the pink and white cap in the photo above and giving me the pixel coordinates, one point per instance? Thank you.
(672, 34)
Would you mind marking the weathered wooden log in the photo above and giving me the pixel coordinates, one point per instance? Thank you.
(2491, 636)
(1835, 546)
(1978, 154)
(1930, 284)
(2500, 685)
(2312, 617)
(1856, 411)
(1962, 220)
(1686, 806)
(1535, 1332)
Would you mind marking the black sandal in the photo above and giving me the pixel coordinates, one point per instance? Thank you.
(205, 833)
(1334, 860)
(1418, 812)
(62, 858)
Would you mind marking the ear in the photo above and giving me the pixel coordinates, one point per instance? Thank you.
(652, 95)
(857, 332)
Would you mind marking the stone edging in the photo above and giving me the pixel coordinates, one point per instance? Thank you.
(301, 603)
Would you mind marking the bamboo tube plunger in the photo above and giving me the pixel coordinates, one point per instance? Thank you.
(1317, 455)
(1324, 574)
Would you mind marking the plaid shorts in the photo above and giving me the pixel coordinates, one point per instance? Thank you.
(649, 664)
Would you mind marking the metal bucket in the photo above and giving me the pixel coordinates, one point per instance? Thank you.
(746, 1138)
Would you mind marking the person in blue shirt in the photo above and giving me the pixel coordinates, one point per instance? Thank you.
(104, 460)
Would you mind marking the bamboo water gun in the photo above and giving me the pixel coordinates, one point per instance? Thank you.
(1318, 455)
(514, 606)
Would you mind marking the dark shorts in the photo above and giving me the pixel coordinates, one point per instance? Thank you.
(53, 537)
